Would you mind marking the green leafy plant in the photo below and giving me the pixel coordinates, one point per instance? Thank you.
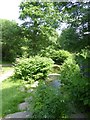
(48, 102)
(74, 84)
(34, 67)
(58, 56)
(83, 59)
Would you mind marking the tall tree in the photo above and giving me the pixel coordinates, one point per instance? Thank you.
(76, 15)
(69, 40)
(11, 40)
(40, 20)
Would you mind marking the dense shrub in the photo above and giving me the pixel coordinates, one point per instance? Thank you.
(68, 70)
(34, 67)
(48, 102)
(75, 85)
(58, 56)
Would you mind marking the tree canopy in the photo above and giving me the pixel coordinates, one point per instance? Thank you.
(77, 35)
(40, 20)
(38, 31)
(11, 40)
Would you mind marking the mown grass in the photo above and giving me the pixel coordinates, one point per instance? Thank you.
(11, 96)
(4, 69)
(5, 66)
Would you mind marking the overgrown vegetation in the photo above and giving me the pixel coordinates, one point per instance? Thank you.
(70, 50)
(75, 84)
(48, 102)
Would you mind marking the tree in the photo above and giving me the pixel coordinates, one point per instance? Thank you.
(76, 15)
(69, 40)
(40, 20)
(11, 40)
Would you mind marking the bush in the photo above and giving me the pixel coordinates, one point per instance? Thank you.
(48, 102)
(58, 56)
(75, 85)
(68, 70)
(35, 68)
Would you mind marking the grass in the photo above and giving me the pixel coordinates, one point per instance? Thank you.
(5, 66)
(5, 69)
(11, 96)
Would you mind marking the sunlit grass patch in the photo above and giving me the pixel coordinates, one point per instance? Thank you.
(5, 69)
(11, 96)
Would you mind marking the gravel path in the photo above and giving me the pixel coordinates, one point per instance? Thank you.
(6, 75)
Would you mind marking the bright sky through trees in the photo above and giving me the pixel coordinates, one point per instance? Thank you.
(9, 9)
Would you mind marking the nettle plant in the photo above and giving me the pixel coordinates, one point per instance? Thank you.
(33, 68)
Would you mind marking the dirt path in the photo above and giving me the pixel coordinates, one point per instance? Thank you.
(6, 75)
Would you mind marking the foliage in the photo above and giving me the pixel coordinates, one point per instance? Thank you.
(11, 42)
(48, 102)
(76, 16)
(75, 39)
(41, 14)
(68, 70)
(83, 59)
(33, 67)
(58, 56)
(40, 20)
(69, 40)
(75, 85)
(39, 24)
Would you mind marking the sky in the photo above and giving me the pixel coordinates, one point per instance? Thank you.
(9, 9)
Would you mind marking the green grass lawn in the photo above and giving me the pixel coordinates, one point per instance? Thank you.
(5, 69)
(11, 96)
